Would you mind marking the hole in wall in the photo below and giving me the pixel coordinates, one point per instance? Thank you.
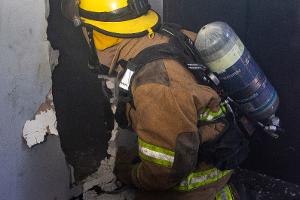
(83, 114)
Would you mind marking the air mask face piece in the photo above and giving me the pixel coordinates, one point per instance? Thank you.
(70, 10)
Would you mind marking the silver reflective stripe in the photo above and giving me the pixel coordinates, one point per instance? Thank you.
(198, 179)
(155, 154)
(203, 178)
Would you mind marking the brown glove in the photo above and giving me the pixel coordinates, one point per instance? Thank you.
(211, 131)
(125, 161)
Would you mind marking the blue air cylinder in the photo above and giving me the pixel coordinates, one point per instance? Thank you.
(241, 78)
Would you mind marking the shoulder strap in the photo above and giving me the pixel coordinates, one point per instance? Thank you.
(180, 48)
(181, 41)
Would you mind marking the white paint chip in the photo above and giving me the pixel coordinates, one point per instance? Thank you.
(104, 177)
(92, 195)
(53, 58)
(44, 123)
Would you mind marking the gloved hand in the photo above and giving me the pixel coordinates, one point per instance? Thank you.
(125, 161)
(210, 132)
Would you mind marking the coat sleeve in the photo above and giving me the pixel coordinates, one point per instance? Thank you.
(166, 120)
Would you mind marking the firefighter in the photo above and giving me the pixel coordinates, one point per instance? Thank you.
(171, 113)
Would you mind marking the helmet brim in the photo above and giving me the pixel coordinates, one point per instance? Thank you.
(124, 29)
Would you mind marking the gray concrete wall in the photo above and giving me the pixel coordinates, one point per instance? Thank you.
(25, 79)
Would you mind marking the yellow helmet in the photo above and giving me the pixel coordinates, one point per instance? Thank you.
(119, 18)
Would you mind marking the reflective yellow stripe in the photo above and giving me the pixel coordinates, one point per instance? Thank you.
(208, 115)
(225, 194)
(198, 179)
(155, 154)
(165, 157)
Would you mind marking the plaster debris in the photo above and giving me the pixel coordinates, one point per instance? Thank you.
(92, 195)
(44, 123)
(53, 58)
(104, 177)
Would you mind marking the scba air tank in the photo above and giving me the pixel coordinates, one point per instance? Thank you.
(224, 54)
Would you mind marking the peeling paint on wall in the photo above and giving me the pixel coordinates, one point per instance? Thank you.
(26, 60)
(44, 123)
(104, 177)
(53, 58)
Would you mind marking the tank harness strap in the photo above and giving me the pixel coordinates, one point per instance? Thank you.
(181, 41)
(175, 49)
(179, 48)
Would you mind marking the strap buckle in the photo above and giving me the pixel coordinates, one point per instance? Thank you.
(128, 75)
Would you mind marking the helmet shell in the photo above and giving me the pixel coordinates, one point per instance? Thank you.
(128, 23)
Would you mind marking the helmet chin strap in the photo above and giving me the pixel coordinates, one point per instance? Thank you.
(94, 63)
(95, 66)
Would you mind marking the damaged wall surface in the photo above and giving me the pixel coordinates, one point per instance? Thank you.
(84, 115)
(25, 77)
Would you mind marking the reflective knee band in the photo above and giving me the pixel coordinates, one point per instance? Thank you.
(155, 154)
(209, 116)
(225, 194)
(165, 157)
(198, 179)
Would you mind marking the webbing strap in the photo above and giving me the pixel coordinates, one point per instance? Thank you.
(179, 48)
(203, 178)
(225, 194)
